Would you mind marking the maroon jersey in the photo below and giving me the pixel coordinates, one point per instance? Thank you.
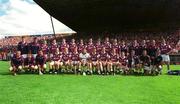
(90, 48)
(152, 50)
(45, 49)
(114, 58)
(40, 60)
(145, 60)
(94, 57)
(141, 48)
(133, 60)
(75, 57)
(16, 61)
(104, 57)
(63, 47)
(165, 48)
(123, 61)
(98, 48)
(116, 47)
(29, 61)
(56, 57)
(135, 48)
(81, 47)
(107, 46)
(34, 47)
(72, 46)
(66, 57)
(53, 48)
(123, 48)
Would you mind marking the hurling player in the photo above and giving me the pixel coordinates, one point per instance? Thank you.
(90, 46)
(45, 48)
(83, 66)
(93, 61)
(165, 49)
(75, 60)
(133, 62)
(103, 61)
(16, 63)
(53, 48)
(55, 62)
(146, 62)
(66, 60)
(29, 63)
(113, 61)
(40, 62)
(158, 62)
(123, 62)
(72, 45)
(81, 46)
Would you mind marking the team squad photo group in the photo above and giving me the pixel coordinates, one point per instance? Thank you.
(100, 57)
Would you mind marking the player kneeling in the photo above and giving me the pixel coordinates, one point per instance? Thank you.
(83, 66)
(40, 63)
(29, 63)
(55, 62)
(133, 63)
(75, 61)
(113, 62)
(93, 62)
(123, 64)
(103, 61)
(16, 63)
(145, 61)
(157, 64)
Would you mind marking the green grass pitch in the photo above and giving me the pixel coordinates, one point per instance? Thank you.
(72, 89)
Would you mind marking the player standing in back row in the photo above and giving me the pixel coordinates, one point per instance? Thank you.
(165, 49)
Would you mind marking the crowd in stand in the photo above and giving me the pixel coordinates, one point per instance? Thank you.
(124, 53)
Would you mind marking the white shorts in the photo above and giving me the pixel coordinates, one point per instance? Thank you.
(166, 58)
(147, 68)
(34, 55)
(54, 62)
(94, 63)
(74, 62)
(24, 55)
(51, 55)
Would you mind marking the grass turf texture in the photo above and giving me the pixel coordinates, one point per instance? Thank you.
(71, 89)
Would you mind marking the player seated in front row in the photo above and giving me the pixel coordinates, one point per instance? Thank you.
(158, 60)
(16, 63)
(123, 63)
(29, 63)
(83, 65)
(74, 60)
(133, 62)
(40, 62)
(65, 61)
(145, 62)
(93, 61)
(113, 62)
(55, 62)
(103, 61)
